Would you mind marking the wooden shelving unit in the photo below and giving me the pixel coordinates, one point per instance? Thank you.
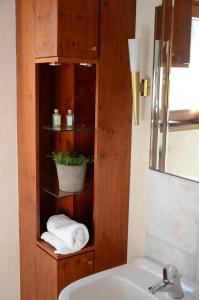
(89, 41)
(67, 86)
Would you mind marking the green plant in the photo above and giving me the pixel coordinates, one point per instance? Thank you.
(69, 159)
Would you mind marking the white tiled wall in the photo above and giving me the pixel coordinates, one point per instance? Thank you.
(173, 223)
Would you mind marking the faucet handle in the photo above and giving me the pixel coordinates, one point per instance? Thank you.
(165, 274)
(170, 272)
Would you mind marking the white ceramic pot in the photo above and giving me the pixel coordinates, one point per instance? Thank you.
(71, 178)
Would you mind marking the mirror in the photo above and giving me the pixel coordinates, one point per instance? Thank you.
(175, 108)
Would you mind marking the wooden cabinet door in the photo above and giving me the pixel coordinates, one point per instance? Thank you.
(78, 28)
(67, 28)
(74, 268)
(54, 275)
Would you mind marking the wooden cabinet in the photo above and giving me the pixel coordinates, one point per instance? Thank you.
(74, 268)
(53, 275)
(67, 28)
(67, 73)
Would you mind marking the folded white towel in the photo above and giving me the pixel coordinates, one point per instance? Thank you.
(74, 235)
(58, 244)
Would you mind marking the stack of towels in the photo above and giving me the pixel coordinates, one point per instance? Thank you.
(65, 235)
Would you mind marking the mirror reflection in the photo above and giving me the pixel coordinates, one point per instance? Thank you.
(175, 110)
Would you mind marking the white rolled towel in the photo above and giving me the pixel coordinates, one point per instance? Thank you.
(58, 244)
(74, 235)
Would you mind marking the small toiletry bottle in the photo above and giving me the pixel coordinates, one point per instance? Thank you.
(69, 118)
(56, 119)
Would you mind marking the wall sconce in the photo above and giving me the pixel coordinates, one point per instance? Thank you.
(138, 87)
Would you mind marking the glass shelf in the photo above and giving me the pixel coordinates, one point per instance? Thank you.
(74, 128)
(50, 186)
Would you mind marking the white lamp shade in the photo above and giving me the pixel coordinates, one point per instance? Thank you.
(134, 54)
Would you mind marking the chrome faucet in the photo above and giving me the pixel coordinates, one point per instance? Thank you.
(170, 283)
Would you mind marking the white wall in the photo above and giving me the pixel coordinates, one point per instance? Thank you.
(9, 245)
(141, 135)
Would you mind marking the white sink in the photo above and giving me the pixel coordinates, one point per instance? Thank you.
(111, 288)
(128, 282)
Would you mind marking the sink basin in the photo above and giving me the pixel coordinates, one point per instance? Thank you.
(127, 282)
(111, 288)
